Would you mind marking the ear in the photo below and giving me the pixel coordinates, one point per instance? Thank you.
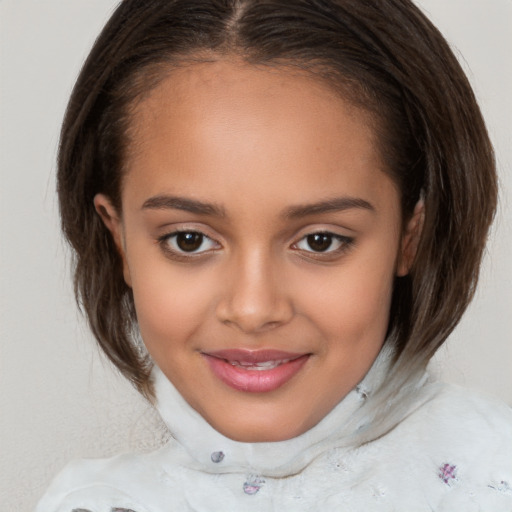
(112, 220)
(411, 239)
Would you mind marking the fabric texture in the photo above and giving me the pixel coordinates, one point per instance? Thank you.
(450, 450)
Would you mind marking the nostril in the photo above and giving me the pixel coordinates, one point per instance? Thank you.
(254, 321)
(252, 300)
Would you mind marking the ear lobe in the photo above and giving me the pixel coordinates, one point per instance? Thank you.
(112, 220)
(411, 239)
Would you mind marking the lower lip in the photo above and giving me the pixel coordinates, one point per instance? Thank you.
(255, 381)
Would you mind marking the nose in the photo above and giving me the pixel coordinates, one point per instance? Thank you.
(254, 298)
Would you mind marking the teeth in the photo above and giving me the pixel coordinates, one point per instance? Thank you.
(264, 365)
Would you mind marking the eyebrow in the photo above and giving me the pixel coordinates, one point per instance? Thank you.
(164, 202)
(329, 205)
(185, 204)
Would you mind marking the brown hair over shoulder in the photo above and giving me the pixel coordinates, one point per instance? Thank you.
(383, 55)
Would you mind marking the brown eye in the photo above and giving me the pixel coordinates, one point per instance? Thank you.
(319, 242)
(189, 241)
(324, 242)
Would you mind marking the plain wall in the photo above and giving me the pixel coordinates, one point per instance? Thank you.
(58, 399)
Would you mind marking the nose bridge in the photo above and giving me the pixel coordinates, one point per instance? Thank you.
(254, 299)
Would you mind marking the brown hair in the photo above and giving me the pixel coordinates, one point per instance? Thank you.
(383, 55)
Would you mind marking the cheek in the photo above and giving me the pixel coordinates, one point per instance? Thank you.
(169, 305)
(352, 303)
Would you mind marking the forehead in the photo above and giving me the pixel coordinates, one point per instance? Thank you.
(228, 123)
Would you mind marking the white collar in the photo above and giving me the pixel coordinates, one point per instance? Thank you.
(212, 452)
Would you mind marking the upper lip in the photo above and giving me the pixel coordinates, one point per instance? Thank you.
(253, 356)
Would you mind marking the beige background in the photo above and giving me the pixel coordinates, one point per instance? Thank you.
(58, 399)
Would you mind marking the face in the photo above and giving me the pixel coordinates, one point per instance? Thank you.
(261, 238)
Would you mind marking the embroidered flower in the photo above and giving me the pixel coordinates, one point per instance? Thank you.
(336, 462)
(448, 473)
(378, 491)
(253, 484)
(503, 487)
(362, 392)
(217, 457)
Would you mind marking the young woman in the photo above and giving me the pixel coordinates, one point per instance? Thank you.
(278, 212)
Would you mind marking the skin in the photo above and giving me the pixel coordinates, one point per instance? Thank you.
(257, 143)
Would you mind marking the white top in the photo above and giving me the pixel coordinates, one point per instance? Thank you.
(450, 451)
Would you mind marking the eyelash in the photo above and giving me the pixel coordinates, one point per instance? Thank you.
(168, 243)
(176, 252)
(344, 244)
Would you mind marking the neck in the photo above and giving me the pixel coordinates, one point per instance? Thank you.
(208, 450)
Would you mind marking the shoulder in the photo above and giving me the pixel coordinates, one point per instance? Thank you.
(463, 441)
(453, 451)
(464, 416)
(95, 485)
(464, 422)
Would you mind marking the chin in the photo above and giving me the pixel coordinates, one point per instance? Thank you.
(269, 431)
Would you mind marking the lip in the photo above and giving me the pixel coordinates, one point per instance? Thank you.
(255, 371)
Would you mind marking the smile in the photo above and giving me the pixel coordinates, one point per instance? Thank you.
(255, 371)
(267, 365)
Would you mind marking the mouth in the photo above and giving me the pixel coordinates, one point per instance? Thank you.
(255, 371)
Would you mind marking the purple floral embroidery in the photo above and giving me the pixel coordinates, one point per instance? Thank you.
(253, 484)
(448, 473)
(503, 487)
(217, 457)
